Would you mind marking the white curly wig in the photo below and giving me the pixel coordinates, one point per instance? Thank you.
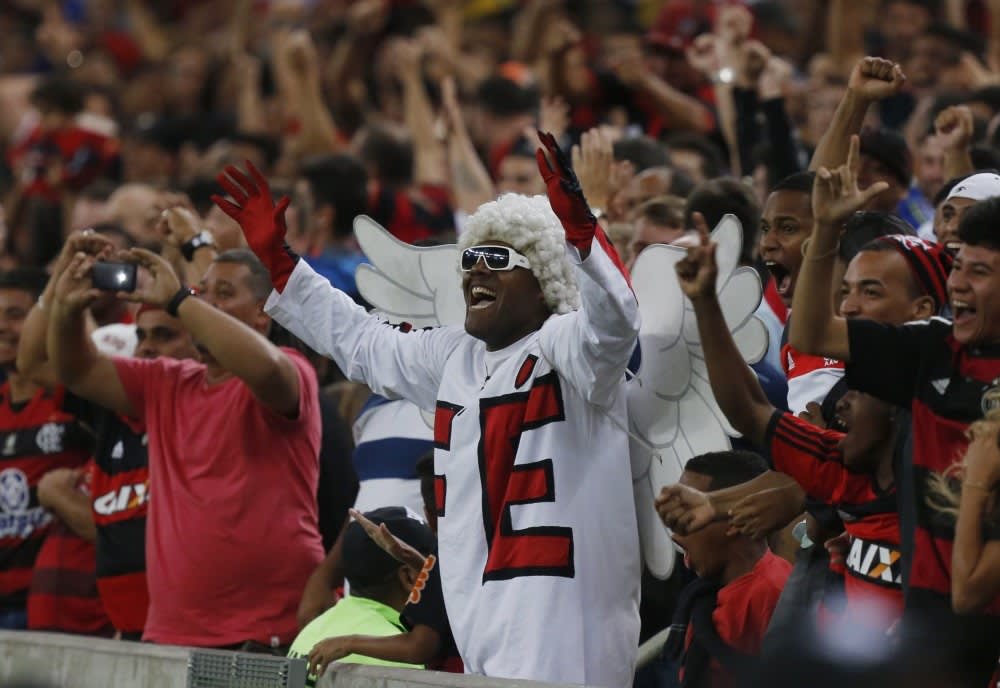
(528, 224)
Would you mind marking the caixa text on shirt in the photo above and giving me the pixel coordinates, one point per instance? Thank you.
(875, 562)
(122, 499)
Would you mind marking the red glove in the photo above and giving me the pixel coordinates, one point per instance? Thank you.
(565, 195)
(262, 222)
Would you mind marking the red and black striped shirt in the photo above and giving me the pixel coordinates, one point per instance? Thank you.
(813, 457)
(36, 437)
(120, 492)
(63, 595)
(946, 386)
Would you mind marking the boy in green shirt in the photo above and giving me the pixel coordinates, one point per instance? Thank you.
(379, 586)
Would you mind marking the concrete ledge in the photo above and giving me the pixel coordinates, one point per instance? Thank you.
(57, 659)
(362, 676)
(84, 662)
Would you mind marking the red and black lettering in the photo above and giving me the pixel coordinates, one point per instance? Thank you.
(444, 416)
(120, 500)
(536, 551)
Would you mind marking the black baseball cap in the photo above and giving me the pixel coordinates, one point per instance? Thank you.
(365, 563)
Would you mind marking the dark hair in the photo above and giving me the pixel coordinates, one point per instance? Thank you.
(339, 181)
(642, 151)
(505, 98)
(98, 190)
(865, 226)
(712, 162)
(980, 225)
(269, 146)
(425, 472)
(259, 280)
(522, 148)
(877, 246)
(200, 190)
(113, 229)
(60, 94)
(946, 189)
(984, 158)
(717, 197)
(889, 148)
(799, 181)
(930, 5)
(31, 280)
(665, 211)
(957, 39)
(391, 155)
(727, 468)
(988, 96)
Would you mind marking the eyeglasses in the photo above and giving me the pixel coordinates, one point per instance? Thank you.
(495, 257)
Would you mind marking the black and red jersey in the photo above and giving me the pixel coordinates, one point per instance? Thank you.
(812, 456)
(36, 437)
(63, 595)
(946, 386)
(414, 214)
(120, 498)
(80, 155)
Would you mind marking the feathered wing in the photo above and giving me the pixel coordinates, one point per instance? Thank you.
(672, 413)
(414, 284)
(418, 285)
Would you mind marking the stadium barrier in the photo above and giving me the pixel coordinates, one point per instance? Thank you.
(55, 660)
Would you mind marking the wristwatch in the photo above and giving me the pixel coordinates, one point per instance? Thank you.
(178, 298)
(203, 238)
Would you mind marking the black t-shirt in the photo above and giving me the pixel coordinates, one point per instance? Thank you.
(426, 607)
(338, 483)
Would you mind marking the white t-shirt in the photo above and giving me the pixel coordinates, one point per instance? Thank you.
(538, 541)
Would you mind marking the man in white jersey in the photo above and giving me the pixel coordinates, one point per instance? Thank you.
(538, 541)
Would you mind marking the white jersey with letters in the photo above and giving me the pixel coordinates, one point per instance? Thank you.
(538, 540)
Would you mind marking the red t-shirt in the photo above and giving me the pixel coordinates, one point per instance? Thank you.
(233, 528)
(743, 611)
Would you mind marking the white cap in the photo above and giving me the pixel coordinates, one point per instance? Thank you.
(977, 187)
(116, 339)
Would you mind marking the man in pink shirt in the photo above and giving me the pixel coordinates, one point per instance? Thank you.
(233, 450)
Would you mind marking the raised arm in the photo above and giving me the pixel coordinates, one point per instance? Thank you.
(266, 370)
(685, 510)
(429, 155)
(954, 127)
(975, 559)
(736, 388)
(75, 359)
(815, 329)
(297, 73)
(680, 110)
(394, 362)
(470, 182)
(845, 33)
(32, 357)
(871, 80)
(591, 347)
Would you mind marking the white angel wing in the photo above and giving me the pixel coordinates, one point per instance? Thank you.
(672, 413)
(418, 285)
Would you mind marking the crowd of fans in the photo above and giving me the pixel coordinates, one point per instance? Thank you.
(195, 394)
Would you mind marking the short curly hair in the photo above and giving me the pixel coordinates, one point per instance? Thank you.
(528, 224)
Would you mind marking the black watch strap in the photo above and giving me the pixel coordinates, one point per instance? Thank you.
(178, 298)
(199, 240)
